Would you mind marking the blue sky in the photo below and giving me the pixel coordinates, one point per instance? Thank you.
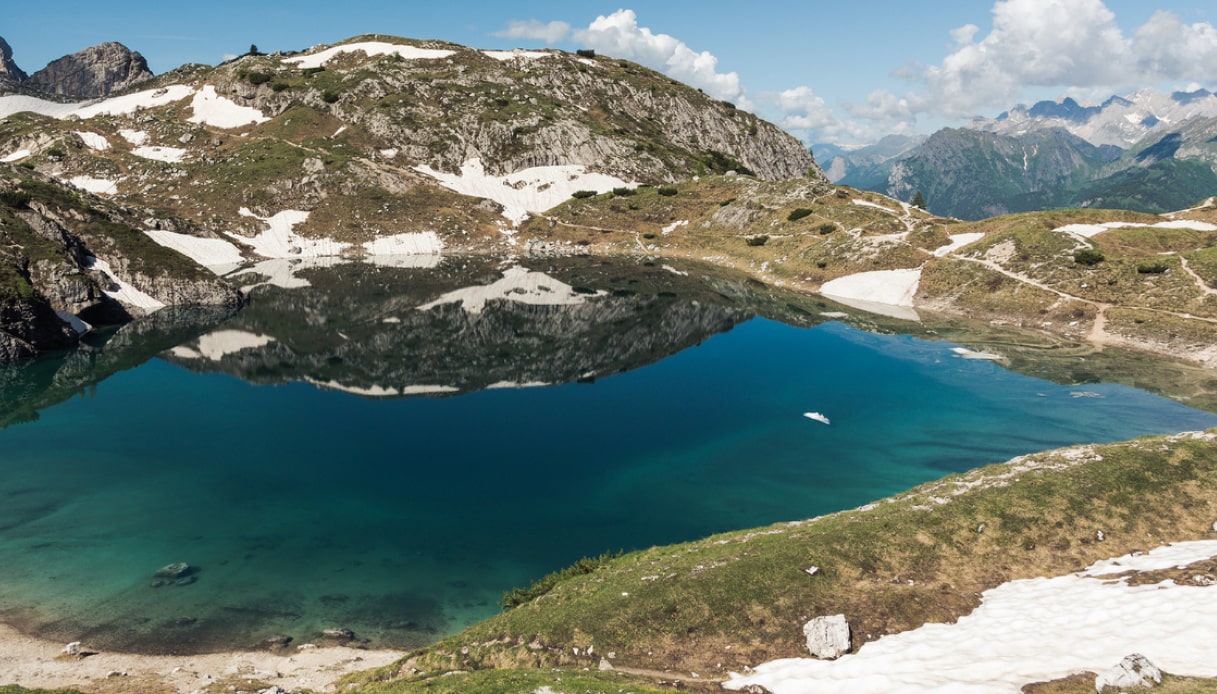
(827, 71)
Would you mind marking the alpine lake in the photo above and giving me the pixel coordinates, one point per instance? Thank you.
(388, 448)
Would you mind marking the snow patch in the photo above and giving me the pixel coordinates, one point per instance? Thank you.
(100, 186)
(428, 390)
(1089, 230)
(16, 156)
(674, 271)
(1030, 630)
(93, 141)
(135, 137)
(126, 294)
(212, 109)
(965, 353)
(125, 105)
(369, 392)
(531, 190)
(414, 243)
(517, 284)
(958, 241)
(211, 253)
(371, 49)
(890, 287)
(517, 53)
(74, 322)
(674, 226)
(281, 241)
(172, 155)
(512, 384)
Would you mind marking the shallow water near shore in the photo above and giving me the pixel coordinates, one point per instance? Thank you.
(306, 508)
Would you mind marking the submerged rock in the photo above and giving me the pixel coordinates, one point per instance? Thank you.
(338, 634)
(275, 641)
(827, 637)
(176, 570)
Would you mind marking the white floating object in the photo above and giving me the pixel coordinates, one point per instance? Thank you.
(816, 416)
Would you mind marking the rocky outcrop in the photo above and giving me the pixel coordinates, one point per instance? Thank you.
(9, 69)
(827, 637)
(1135, 671)
(94, 72)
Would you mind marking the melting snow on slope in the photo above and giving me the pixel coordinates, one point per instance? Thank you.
(371, 49)
(280, 241)
(958, 241)
(100, 186)
(530, 190)
(1088, 230)
(517, 284)
(674, 226)
(135, 137)
(212, 109)
(16, 156)
(517, 53)
(93, 140)
(212, 253)
(172, 155)
(414, 243)
(125, 294)
(885, 292)
(1030, 630)
(115, 106)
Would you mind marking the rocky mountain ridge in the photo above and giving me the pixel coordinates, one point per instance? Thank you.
(94, 72)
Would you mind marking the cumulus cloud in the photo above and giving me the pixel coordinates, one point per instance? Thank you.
(619, 34)
(535, 30)
(1071, 44)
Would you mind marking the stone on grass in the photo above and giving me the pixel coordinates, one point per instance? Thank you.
(1134, 671)
(827, 637)
(174, 570)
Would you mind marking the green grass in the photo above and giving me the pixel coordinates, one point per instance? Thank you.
(514, 682)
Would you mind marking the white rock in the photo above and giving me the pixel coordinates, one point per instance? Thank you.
(605, 664)
(1134, 671)
(827, 637)
(72, 648)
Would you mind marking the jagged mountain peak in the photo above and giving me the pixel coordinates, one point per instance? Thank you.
(8, 69)
(96, 71)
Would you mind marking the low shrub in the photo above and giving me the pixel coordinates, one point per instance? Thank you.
(310, 71)
(797, 214)
(330, 97)
(827, 228)
(624, 192)
(279, 86)
(259, 77)
(15, 198)
(758, 240)
(1153, 267)
(1088, 256)
(667, 191)
(585, 53)
(583, 194)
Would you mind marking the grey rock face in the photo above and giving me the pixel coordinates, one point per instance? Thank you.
(94, 72)
(8, 68)
(827, 637)
(1134, 671)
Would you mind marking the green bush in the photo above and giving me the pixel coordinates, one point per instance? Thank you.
(330, 97)
(827, 228)
(758, 240)
(1088, 256)
(1153, 267)
(667, 191)
(797, 214)
(648, 236)
(583, 194)
(726, 202)
(585, 53)
(259, 77)
(18, 199)
(586, 565)
(279, 86)
(310, 71)
(56, 153)
(624, 192)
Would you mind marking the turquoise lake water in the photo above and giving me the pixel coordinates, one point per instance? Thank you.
(406, 519)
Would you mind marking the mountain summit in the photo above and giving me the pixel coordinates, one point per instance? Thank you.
(94, 72)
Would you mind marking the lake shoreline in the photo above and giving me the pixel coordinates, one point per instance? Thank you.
(30, 661)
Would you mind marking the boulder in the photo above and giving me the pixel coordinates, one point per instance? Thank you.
(827, 637)
(1134, 671)
(72, 648)
(338, 634)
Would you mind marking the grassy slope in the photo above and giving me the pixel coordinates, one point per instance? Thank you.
(740, 598)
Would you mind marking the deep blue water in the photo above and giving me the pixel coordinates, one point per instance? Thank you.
(405, 519)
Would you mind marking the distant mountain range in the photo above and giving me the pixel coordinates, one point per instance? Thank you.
(1149, 151)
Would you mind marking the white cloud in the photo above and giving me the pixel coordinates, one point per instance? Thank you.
(1070, 44)
(802, 109)
(535, 30)
(619, 35)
